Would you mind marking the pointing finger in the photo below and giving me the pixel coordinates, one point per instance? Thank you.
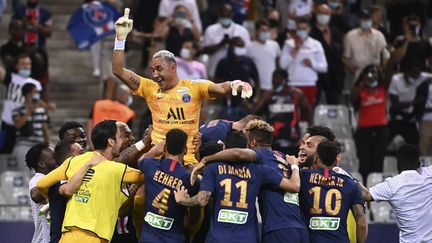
(126, 13)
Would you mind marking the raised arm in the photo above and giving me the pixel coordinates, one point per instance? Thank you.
(361, 225)
(182, 197)
(130, 155)
(122, 27)
(233, 87)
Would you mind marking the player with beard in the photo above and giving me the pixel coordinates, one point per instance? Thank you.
(173, 103)
(326, 196)
(280, 211)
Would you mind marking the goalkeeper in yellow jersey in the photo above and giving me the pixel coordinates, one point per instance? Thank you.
(174, 103)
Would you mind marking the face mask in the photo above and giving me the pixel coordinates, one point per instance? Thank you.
(372, 84)
(303, 34)
(225, 22)
(273, 23)
(185, 53)
(264, 36)
(180, 15)
(24, 73)
(333, 5)
(323, 19)
(178, 21)
(240, 51)
(366, 24)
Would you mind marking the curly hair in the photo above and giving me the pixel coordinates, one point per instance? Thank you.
(261, 131)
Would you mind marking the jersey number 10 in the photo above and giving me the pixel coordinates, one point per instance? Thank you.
(329, 208)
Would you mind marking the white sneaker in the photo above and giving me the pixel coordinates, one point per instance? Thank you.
(96, 72)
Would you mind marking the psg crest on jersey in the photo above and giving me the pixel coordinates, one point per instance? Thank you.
(186, 98)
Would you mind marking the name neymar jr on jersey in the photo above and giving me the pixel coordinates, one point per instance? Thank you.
(319, 179)
(167, 179)
(176, 116)
(242, 172)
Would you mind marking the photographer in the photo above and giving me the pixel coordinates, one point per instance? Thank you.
(31, 122)
(411, 46)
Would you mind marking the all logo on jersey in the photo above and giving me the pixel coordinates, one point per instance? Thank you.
(158, 221)
(232, 216)
(176, 114)
(324, 223)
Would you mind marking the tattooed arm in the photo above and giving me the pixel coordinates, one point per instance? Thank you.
(182, 197)
(128, 77)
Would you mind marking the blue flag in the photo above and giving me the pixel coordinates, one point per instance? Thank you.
(92, 22)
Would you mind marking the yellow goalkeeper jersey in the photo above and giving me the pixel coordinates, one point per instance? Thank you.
(178, 107)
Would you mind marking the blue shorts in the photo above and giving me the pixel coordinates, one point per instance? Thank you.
(296, 235)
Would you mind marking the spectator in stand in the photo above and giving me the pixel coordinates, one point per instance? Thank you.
(294, 9)
(237, 66)
(332, 82)
(2, 8)
(377, 13)
(167, 8)
(10, 51)
(115, 109)
(187, 67)
(303, 57)
(39, 68)
(217, 37)
(277, 31)
(369, 97)
(337, 17)
(402, 91)
(285, 106)
(423, 110)
(265, 53)
(182, 28)
(363, 46)
(31, 123)
(14, 99)
(411, 46)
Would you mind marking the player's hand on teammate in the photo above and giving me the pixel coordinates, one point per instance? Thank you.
(147, 135)
(292, 160)
(195, 171)
(243, 87)
(123, 25)
(181, 194)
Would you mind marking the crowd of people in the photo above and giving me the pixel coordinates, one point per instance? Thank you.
(190, 177)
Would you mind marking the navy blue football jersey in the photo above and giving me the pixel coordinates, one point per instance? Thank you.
(215, 130)
(325, 199)
(163, 216)
(234, 188)
(279, 209)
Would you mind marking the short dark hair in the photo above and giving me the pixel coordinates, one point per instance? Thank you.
(261, 131)
(280, 72)
(412, 17)
(302, 20)
(62, 150)
(209, 148)
(235, 139)
(321, 131)
(408, 157)
(176, 140)
(68, 125)
(32, 156)
(27, 88)
(261, 22)
(102, 132)
(327, 152)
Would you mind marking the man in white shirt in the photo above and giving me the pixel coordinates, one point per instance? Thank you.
(39, 158)
(303, 57)
(217, 37)
(363, 46)
(402, 92)
(409, 194)
(14, 99)
(166, 9)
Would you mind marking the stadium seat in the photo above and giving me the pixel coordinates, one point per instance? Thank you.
(349, 164)
(348, 148)
(426, 161)
(390, 165)
(376, 177)
(8, 163)
(382, 212)
(331, 114)
(13, 179)
(341, 131)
